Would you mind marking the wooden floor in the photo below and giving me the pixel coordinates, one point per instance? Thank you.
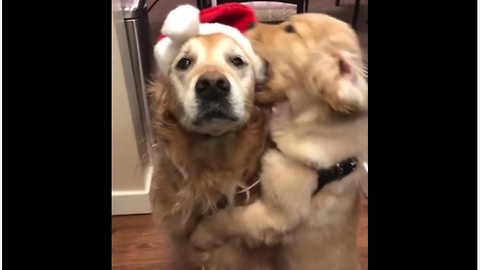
(138, 245)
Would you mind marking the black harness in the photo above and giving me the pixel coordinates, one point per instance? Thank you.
(333, 173)
(325, 176)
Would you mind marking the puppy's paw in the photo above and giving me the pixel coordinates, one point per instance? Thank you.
(204, 239)
(269, 238)
(251, 242)
(211, 267)
(194, 256)
(273, 237)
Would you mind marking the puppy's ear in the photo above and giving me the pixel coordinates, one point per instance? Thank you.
(339, 80)
(353, 87)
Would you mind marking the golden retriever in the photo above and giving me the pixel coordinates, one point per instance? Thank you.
(310, 181)
(211, 137)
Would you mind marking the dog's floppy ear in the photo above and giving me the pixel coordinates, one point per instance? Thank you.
(338, 78)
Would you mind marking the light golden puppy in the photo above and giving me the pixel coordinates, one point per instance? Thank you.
(210, 137)
(310, 181)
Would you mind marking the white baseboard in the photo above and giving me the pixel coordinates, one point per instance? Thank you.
(134, 201)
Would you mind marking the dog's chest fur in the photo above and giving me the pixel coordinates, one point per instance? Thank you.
(210, 168)
(323, 146)
(215, 149)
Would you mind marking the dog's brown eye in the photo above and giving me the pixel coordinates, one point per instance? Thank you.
(289, 28)
(238, 62)
(184, 63)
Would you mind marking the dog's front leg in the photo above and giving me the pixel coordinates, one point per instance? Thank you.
(190, 257)
(285, 202)
(255, 222)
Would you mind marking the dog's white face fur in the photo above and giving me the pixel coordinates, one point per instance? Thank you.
(218, 59)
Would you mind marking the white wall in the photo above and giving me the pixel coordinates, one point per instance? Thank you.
(130, 181)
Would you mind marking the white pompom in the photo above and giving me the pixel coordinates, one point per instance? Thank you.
(182, 23)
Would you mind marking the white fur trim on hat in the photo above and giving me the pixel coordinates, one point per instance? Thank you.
(165, 51)
(182, 24)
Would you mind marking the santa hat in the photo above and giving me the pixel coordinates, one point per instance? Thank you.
(186, 21)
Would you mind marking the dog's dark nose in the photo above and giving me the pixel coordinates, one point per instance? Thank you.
(251, 25)
(212, 85)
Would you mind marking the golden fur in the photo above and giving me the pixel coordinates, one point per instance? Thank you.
(198, 165)
(321, 120)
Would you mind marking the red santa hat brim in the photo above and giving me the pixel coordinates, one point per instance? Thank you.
(233, 14)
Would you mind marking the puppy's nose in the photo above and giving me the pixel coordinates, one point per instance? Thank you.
(212, 85)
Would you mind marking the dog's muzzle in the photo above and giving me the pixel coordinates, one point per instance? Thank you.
(212, 86)
(212, 91)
